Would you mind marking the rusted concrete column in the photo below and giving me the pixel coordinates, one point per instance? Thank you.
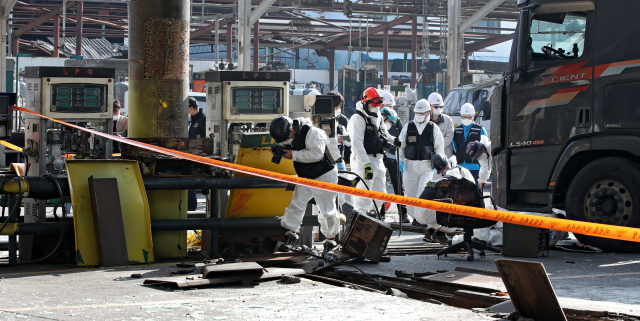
(229, 42)
(414, 51)
(385, 57)
(80, 6)
(159, 68)
(256, 44)
(56, 36)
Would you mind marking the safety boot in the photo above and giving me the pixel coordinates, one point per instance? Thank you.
(290, 241)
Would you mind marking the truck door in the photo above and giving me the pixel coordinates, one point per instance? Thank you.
(550, 101)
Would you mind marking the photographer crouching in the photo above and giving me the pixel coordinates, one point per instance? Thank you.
(307, 146)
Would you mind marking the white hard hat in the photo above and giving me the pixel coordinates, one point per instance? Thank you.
(388, 98)
(435, 99)
(422, 106)
(467, 110)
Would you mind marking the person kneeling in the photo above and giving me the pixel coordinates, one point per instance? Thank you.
(307, 147)
(443, 167)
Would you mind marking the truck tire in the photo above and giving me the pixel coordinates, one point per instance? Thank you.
(606, 191)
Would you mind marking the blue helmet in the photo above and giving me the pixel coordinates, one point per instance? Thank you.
(390, 113)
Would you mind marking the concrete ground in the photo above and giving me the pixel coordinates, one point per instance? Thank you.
(110, 294)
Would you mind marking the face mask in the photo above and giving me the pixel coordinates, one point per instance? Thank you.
(115, 117)
(337, 112)
(437, 111)
(387, 125)
(374, 110)
(467, 122)
(288, 141)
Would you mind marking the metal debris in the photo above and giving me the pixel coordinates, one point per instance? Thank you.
(289, 279)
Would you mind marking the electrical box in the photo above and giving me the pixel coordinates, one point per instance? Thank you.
(7, 101)
(323, 113)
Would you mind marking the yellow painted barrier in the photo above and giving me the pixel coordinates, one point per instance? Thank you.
(587, 228)
(9, 145)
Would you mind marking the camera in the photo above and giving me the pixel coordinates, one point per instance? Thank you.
(278, 151)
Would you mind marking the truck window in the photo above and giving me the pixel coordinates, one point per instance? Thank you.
(452, 102)
(557, 37)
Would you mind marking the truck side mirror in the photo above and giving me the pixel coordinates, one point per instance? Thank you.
(486, 110)
(523, 41)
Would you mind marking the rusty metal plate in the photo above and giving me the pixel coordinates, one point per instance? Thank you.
(246, 270)
(274, 258)
(194, 280)
(530, 290)
(481, 282)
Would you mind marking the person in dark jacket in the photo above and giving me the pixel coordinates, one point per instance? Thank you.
(198, 126)
(197, 129)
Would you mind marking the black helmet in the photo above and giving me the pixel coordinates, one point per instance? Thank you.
(193, 102)
(280, 128)
(439, 162)
(475, 150)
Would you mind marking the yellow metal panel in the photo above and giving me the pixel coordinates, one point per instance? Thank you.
(254, 152)
(133, 200)
(168, 205)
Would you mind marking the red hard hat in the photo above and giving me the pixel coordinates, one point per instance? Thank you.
(372, 96)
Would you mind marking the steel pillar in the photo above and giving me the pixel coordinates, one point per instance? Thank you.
(3, 53)
(79, 29)
(229, 42)
(56, 36)
(385, 57)
(414, 51)
(14, 45)
(256, 44)
(453, 41)
(244, 34)
(332, 67)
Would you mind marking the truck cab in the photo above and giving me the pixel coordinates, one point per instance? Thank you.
(566, 132)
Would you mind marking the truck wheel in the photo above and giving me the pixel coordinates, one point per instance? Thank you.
(606, 191)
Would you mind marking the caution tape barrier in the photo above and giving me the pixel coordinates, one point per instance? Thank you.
(11, 146)
(587, 228)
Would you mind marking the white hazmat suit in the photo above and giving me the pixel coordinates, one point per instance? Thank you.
(485, 162)
(427, 216)
(418, 172)
(359, 158)
(315, 142)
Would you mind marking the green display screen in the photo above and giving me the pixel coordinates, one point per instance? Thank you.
(269, 93)
(243, 99)
(79, 98)
(268, 106)
(244, 106)
(92, 90)
(269, 99)
(257, 100)
(243, 93)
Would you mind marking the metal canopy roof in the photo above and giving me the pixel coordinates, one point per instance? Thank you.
(279, 28)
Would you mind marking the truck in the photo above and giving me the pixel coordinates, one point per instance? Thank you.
(565, 131)
(478, 94)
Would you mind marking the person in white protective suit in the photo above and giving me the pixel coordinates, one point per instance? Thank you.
(368, 138)
(420, 139)
(308, 148)
(479, 151)
(444, 122)
(443, 167)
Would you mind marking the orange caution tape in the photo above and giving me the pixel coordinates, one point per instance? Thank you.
(9, 145)
(594, 229)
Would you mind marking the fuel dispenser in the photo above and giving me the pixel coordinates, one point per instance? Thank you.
(83, 96)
